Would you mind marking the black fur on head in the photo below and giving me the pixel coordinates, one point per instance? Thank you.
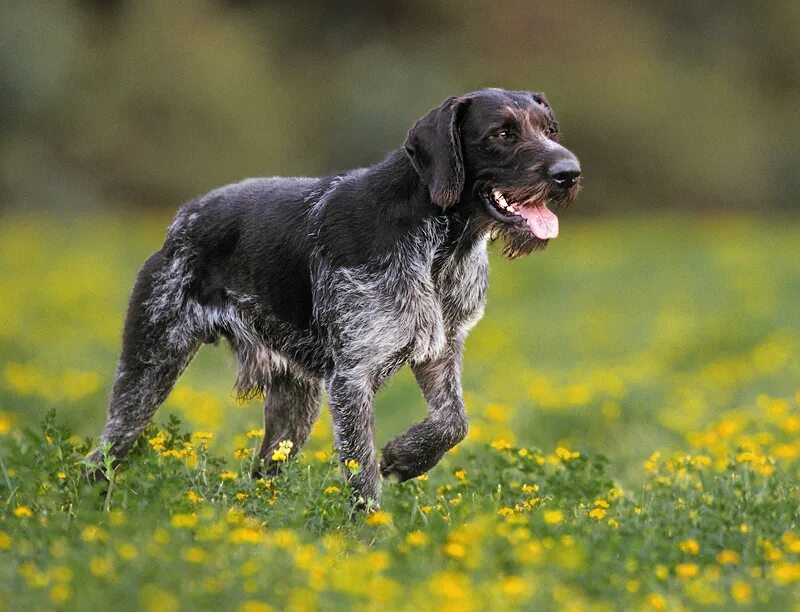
(494, 148)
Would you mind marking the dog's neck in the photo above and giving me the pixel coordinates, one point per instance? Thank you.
(416, 201)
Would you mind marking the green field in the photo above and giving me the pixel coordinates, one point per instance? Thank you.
(634, 393)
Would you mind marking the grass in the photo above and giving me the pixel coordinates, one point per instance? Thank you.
(635, 412)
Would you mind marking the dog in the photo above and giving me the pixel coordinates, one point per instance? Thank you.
(337, 282)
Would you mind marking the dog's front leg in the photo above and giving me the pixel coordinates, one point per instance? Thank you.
(350, 398)
(423, 445)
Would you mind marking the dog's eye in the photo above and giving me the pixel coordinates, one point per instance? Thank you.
(506, 135)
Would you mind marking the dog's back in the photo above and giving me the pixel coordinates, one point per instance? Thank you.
(231, 236)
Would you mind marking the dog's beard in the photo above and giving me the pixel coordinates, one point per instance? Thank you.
(518, 239)
(517, 243)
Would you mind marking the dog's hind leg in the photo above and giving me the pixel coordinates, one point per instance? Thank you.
(423, 444)
(291, 407)
(155, 350)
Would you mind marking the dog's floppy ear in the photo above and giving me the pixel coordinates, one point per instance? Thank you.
(433, 145)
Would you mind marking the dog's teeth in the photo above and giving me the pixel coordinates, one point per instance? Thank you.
(501, 199)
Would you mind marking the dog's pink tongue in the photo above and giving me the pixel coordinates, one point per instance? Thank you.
(541, 220)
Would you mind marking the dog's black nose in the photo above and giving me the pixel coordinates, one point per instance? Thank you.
(565, 172)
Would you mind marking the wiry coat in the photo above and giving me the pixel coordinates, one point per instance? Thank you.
(338, 280)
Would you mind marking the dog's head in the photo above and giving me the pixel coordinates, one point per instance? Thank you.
(496, 154)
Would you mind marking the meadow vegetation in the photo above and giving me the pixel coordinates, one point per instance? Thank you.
(634, 393)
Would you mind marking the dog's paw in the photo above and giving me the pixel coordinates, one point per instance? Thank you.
(395, 465)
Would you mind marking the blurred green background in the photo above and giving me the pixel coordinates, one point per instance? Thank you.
(145, 104)
(669, 301)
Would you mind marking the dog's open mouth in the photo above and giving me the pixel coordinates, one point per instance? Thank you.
(540, 220)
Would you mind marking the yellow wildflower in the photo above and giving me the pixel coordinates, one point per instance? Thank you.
(461, 474)
(784, 573)
(60, 593)
(379, 518)
(456, 550)
(729, 557)
(193, 497)
(22, 512)
(701, 460)
(500, 444)
(741, 592)
(656, 601)
(597, 513)
(651, 465)
(127, 551)
(242, 453)
(686, 570)
(228, 475)
(255, 433)
(689, 546)
(184, 521)
(93, 533)
(331, 490)
(247, 535)
(5, 423)
(417, 538)
(282, 452)
(791, 542)
(514, 586)
(746, 457)
(157, 441)
(553, 517)
(453, 586)
(102, 567)
(565, 454)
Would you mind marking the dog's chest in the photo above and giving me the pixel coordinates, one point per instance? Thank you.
(444, 301)
(410, 308)
(447, 299)
(461, 283)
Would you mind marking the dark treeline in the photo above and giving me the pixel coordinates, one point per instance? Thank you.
(147, 103)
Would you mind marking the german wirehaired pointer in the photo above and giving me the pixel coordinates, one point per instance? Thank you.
(343, 279)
